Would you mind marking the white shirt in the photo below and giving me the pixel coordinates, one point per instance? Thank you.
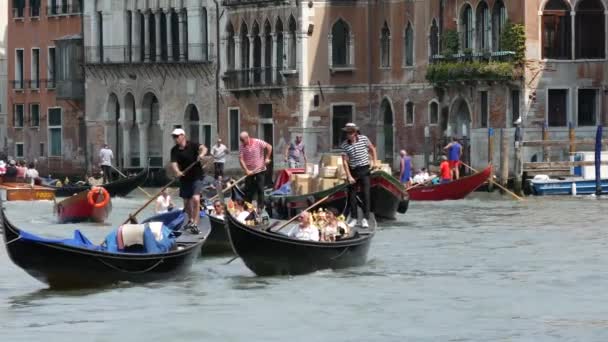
(242, 216)
(162, 204)
(310, 233)
(31, 174)
(219, 153)
(106, 156)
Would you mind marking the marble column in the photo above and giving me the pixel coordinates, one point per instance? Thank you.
(146, 43)
(251, 59)
(195, 34)
(143, 143)
(237, 53)
(135, 38)
(157, 37)
(274, 57)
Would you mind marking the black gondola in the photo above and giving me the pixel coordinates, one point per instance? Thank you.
(218, 242)
(121, 187)
(269, 253)
(64, 266)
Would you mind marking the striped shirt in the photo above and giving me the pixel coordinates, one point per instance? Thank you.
(253, 154)
(357, 152)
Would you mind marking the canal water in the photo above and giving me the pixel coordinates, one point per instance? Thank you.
(481, 269)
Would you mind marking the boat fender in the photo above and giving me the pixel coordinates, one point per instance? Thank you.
(102, 191)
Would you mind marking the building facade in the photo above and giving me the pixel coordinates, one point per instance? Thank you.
(3, 79)
(150, 67)
(46, 92)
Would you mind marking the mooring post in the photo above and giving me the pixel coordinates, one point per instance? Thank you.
(545, 138)
(517, 186)
(427, 142)
(504, 157)
(572, 145)
(491, 157)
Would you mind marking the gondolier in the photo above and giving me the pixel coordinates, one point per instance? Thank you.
(358, 156)
(254, 155)
(184, 154)
(454, 150)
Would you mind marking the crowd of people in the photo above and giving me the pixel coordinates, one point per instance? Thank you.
(449, 167)
(18, 171)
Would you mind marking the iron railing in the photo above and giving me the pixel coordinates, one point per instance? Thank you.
(121, 54)
(267, 77)
(502, 56)
(49, 83)
(18, 84)
(64, 9)
(18, 12)
(34, 84)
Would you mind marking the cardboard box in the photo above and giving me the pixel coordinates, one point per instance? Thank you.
(386, 168)
(309, 168)
(329, 172)
(328, 183)
(304, 184)
(340, 173)
(331, 160)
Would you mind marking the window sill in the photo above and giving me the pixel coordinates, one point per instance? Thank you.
(345, 68)
(409, 125)
(35, 127)
(433, 124)
(385, 68)
(50, 88)
(36, 18)
(21, 19)
(18, 90)
(574, 60)
(289, 72)
(18, 127)
(35, 90)
(408, 67)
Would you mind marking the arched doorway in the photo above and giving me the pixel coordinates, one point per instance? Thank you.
(386, 140)
(192, 123)
(153, 150)
(131, 146)
(113, 131)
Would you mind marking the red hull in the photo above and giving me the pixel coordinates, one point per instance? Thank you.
(77, 209)
(455, 190)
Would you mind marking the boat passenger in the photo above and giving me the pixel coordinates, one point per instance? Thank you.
(163, 203)
(334, 226)
(445, 170)
(218, 209)
(31, 174)
(306, 230)
(21, 170)
(240, 212)
(2, 167)
(11, 171)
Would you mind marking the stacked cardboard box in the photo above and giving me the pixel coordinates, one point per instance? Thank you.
(319, 178)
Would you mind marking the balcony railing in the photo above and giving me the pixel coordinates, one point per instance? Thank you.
(18, 84)
(18, 12)
(50, 83)
(64, 9)
(34, 84)
(498, 56)
(253, 78)
(193, 53)
(249, 2)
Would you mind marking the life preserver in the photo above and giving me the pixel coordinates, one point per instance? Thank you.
(104, 192)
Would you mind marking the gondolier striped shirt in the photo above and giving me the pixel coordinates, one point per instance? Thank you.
(357, 152)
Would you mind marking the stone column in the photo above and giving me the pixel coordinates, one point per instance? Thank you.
(94, 54)
(273, 59)
(168, 16)
(157, 37)
(251, 58)
(182, 37)
(195, 34)
(146, 42)
(572, 37)
(126, 144)
(263, 61)
(143, 143)
(135, 38)
(237, 53)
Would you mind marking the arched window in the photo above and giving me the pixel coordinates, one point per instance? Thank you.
(279, 32)
(466, 27)
(409, 45)
(244, 46)
(434, 39)
(484, 27)
(257, 54)
(590, 30)
(267, 53)
(340, 44)
(409, 113)
(385, 46)
(556, 30)
(292, 46)
(433, 113)
(230, 50)
(499, 18)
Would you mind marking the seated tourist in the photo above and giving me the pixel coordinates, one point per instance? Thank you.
(21, 170)
(241, 212)
(218, 209)
(418, 178)
(31, 174)
(335, 227)
(163, 203)
(11, 171)
(306, 230)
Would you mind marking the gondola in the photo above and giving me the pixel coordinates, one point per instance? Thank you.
(78, 208)
(121, 187)
(218, 242)
(268, 253)
(455, 190)
(388, 197)
(77, 263)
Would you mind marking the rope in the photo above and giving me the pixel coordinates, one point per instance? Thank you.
(134, 272)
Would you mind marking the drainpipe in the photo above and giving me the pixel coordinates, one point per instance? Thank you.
(217, 66)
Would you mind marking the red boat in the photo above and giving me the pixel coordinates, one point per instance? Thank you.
(455, 190)
(91, 205)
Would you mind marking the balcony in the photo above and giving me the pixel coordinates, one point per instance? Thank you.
(498, 56)
(255, 78)
(34, 84)
(18, 85)
(123, 54)
(445, 70)
(49, 84)
(64, 9)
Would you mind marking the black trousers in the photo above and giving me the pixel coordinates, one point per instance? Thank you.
(107, 173)
(254, 187)
(362, 181)
(219, 169)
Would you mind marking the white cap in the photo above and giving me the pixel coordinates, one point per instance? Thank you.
(178, 131)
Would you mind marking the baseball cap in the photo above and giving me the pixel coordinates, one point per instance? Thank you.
(178, 131)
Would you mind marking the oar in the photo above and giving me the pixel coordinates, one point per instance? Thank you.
(153, 198)
(122, 174)
(498, 185)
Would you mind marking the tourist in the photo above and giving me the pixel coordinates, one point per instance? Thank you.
(445, 170)
(105, 161)
(405, 168)
(21, 170)
(454, 150)
(334, 227)
(184, 154)
(163, 203)
(254, 155)
(218, 209)
(418, 178)
(219, 152)
(2, 167)
(95, 181)
(11, 171)
(241, 213)
(358, 156)
(295, 153)
(31, 174)
(306, 230)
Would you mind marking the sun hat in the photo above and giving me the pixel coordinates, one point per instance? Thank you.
(350, 127)
(178, 131)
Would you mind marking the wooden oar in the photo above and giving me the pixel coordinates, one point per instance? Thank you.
(498, 185)
(153, 198)
(122, 174)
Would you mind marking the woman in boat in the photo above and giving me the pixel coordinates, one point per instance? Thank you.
(31, 174)
(163, 203)
(335, 228)
(21, 170)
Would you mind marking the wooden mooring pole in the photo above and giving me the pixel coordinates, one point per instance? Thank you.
(504, 158)
(545, 138)
(491, 157)
(517, 185)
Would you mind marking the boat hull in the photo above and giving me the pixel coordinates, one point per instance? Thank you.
(565, 187)
(455, 190)
(25, 192)
(387, 198)
(61, 266)
(121, 187)
(218, 242)
(78, 209)
(269, 254)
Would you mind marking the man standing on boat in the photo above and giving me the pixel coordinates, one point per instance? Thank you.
(295, 153)
(219, 152)
(184, 154)
(454, 150)
(358, 155)
(105, 158)
(254, 155)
